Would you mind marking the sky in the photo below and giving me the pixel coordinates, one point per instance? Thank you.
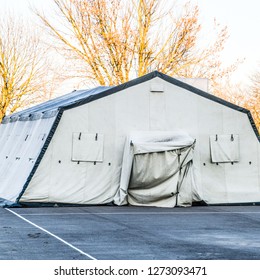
(243, 22)
(240, 16)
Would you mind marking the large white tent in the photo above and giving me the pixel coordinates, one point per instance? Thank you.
(153, 141)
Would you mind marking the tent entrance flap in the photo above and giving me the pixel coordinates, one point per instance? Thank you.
(156, 170)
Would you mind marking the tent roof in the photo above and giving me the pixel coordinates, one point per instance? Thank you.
(59, 102)
(81, 97)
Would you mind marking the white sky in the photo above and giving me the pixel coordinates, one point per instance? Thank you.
(241, 17)
(243, 21)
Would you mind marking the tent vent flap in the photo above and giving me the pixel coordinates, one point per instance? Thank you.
(224, 148)
(87, 147)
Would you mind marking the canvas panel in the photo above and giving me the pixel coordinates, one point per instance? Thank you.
(224, 148)
(182, 109)
(157, 104)
(23, 147)
(9, 170)
(87, 147)
(229, 182)
(242, 186)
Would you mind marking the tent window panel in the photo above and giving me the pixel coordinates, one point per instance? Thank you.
(224, 148)
(87, 147)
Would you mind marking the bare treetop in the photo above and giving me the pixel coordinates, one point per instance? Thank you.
(113, 41)
(25, 73)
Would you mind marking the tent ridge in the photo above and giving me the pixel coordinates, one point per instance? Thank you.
(171, 80)
(101, 92)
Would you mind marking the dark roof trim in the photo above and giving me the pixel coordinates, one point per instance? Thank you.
(173, 81)
(43, 150)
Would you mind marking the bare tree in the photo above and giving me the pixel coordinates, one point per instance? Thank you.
(113, 40)
(253, 103)
(247, 96)
(24, 66)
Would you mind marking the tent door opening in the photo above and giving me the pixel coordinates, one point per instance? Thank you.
(157, 169)
(161, 178)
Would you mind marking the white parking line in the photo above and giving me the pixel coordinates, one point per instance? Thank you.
(136, 213)
(53, 235)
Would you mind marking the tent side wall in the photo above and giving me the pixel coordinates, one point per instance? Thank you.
(59, 179)
(21, 142)
(94, 178)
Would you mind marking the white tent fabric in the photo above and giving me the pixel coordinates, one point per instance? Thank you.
(157, 169)
(133, 143)
(22, 142)
(87, 147)
(224, 148)
(23, 136)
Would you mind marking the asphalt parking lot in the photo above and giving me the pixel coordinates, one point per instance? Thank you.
(130, 233)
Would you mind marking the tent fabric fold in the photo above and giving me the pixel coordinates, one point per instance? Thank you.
(155, 169)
